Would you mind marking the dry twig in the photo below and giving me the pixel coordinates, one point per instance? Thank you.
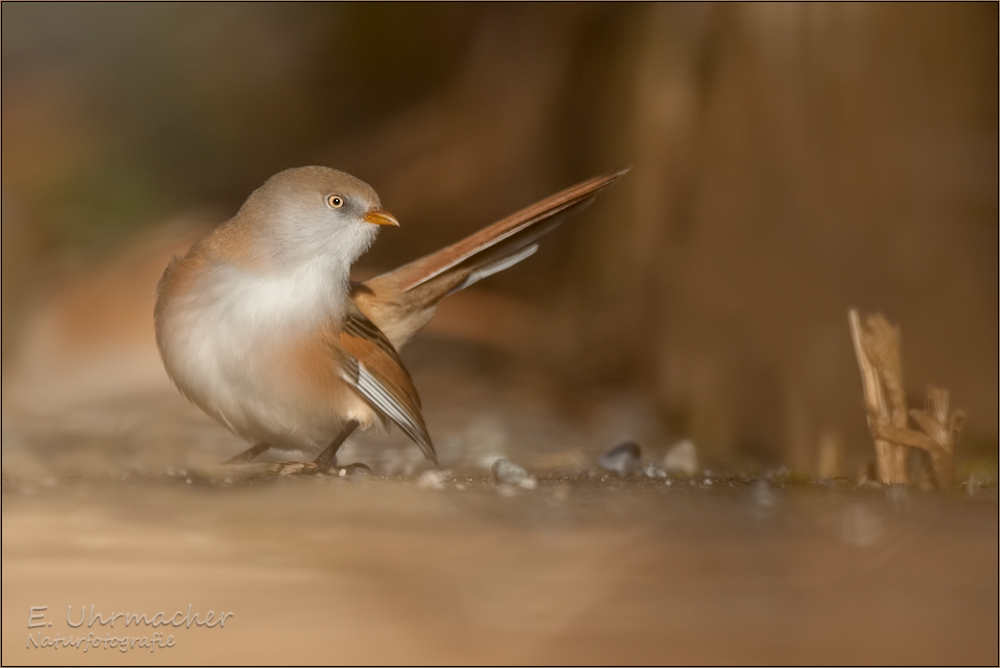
(876, 345)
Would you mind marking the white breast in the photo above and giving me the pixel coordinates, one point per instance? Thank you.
(221, 343)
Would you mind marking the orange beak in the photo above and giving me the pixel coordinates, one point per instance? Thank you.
(379, 216)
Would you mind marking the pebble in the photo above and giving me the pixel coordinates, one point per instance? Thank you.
(682, 458)
(433, 479)
(489, 459)
(652, 471)
(624, 459)
(356, 471)
(506, 471)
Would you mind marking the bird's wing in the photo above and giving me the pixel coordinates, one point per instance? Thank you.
(376, 372)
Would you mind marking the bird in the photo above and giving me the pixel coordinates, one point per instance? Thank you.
(261, 327)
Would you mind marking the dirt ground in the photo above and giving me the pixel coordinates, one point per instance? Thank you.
(591, 568)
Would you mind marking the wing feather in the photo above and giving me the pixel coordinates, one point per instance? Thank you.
(378, 375)
(510, 234)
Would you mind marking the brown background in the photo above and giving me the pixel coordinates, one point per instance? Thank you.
(790, 161)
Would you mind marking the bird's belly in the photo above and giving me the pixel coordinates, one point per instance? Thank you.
(279, 386)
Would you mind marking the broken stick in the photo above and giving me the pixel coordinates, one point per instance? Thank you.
(876, 346)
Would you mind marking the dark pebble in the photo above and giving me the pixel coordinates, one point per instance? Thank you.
(509, 472)
(624, 459)
(358, 470)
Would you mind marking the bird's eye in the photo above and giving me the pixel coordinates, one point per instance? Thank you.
(335, 201)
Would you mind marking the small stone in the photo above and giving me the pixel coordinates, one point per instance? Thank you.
(489, 459)
(652, 471)
(624, 459)
(433, 479)
(682, 458)
(358, 470)
(506, 471)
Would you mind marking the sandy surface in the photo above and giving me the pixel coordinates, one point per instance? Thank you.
(582, 570)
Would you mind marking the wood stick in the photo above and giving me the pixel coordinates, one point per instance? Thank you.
(876, 348)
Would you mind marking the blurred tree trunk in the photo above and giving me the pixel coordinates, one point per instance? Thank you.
(788, 160)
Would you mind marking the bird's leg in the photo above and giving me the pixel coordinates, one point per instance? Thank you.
(328, 457)
(249, 454)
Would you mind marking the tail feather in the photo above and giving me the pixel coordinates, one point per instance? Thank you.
(496, 266)
(402, 301)
(507, 230)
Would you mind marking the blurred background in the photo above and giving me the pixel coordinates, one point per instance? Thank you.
(789, 162)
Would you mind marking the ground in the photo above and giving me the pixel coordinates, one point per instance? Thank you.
(592, 568)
